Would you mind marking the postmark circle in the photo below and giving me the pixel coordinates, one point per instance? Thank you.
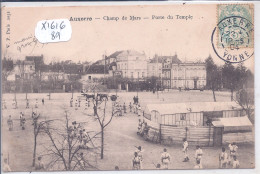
(233, 40)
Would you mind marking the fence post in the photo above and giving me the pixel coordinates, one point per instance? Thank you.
(160, 133)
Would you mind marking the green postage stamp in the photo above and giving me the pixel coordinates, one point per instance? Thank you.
(235, 25)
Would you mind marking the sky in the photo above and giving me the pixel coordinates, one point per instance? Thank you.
(90, 40)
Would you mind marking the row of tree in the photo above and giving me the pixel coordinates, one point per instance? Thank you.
(228, 77)
(238, 79)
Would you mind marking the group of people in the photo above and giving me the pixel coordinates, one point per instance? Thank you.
(230, 159)
(15, 105)
(138, 159)
(76, 131)
(77, 103)
(225, 158)
(143, 129)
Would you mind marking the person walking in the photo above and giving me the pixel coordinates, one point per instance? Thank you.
(10, 123)
(223, 158)
(71, 102)
(165, 159)
(36, 103)
(27, 103)
(136, 162)
(124, 107)
(232, 152)
(140, 155)
(130, 107)
(42, 101)
(198, 155)
(185, 150)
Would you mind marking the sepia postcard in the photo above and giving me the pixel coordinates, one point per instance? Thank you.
(128, 87)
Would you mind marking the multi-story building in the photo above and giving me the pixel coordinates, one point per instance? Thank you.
(167, 62)
(177, 74)
(190, 75)
(154, 67)
(132, 64)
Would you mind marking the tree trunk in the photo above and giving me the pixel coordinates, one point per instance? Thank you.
(214, 96)
(102, 143)
(34, 150)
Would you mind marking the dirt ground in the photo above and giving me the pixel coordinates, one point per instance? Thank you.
(120, 135)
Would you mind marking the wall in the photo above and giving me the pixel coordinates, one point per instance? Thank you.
(202, 136)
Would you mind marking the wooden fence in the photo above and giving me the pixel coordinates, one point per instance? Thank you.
(202, 136)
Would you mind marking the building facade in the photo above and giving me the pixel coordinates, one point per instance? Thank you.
(189, 75)
(132, 64)
(154, 67)
(177, 74)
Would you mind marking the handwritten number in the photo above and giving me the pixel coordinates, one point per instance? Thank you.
(62, 25)
(55, 35)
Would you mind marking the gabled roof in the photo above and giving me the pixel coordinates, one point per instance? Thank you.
(114, 55)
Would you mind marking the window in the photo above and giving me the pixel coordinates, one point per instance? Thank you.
(118, 66)
(132, 74)
(138, 74)
(137, 58)
(142, 74)
(89, 77)
(183, 116)
(125, 74)
(30, 67)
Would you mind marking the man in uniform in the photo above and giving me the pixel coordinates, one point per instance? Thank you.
(198, 155)
(223, 158)
(10, 123)
(139, 127)
(233, 152)
(140, 155)
(130, 107)
(76, 105)
(71, 102)
(39, 164)
(185, 150)
(27, 103)
(42, 101)
(36, 103)
(165, 159)
(139, 110)
(21, 118)
(14, 104)
(136, 162)
(124, 107)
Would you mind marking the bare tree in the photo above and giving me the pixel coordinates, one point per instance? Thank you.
(38, 126)
(68, 149)
(103, 118)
